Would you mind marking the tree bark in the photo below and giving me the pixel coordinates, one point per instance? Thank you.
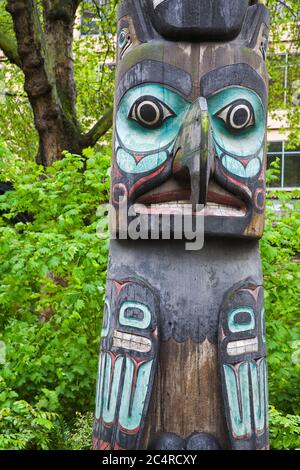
(45, 56)
(59, 17)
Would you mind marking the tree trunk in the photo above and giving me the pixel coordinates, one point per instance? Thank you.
(45, 56)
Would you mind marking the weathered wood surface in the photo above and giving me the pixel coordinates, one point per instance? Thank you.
(187, 395)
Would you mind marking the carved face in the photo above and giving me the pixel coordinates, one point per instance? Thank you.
(192, 111)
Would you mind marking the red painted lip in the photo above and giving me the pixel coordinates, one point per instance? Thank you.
(172, 191)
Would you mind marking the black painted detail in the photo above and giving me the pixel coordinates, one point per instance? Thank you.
(130, 336)
(242, 351)
(196, 441)
(202, 441)
(237, 116)
(233, 75)
(150, 112)
(198, 20)
(154, 71)
(167, 441)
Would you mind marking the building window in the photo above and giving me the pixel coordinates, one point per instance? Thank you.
(289, 165)
(284, 76)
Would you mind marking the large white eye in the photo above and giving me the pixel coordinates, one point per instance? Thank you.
(238, 115)
(150, 112)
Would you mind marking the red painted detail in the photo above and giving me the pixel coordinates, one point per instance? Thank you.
(96, 443)
(141, 181)
(131, 432)
(255, 198)
(118, 286)
(105, 445)
(172, 191)
(235, 182)
(155, 333)
(118, 447)
(254, 291)
(176, 195)
(124, 197)
(244, 161)
(116, 172)
(138, 157)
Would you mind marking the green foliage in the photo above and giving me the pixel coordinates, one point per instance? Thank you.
(80, 437)
(280, 248)
(52, 284)
(94, 64)
(284, 430)
(21, 425)
(16, 117)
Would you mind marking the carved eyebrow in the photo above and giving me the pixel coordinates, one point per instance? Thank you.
(154, 71)
(230, 75)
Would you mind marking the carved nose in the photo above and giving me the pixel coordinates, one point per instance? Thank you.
(193, 151)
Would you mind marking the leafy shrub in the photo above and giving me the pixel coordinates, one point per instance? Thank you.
(80, 437)
(53, 273)
(284, 430)
(21, 425)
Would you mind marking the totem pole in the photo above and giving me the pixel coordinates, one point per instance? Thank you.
(182, 359)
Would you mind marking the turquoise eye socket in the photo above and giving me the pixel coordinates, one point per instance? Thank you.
(150, 112)
(122, 39)
(238, 123)
(237, 116)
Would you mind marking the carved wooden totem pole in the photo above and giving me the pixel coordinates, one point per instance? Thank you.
(182, 361)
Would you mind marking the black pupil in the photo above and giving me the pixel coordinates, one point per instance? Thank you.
(240, 116)
(148, 113)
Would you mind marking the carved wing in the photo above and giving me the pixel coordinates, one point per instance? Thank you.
(242, 348)
(127, 364)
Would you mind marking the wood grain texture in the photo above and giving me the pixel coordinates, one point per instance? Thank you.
(187, 393)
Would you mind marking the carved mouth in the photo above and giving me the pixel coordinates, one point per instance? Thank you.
(172, 196)
(243, 346)
(131, 342)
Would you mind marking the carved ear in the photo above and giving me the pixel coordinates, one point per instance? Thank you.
(255, 30)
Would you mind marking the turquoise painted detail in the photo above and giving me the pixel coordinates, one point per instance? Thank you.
(128, 164)
(122, 39)
(231, 146)
(99, 386)
(238, 399)
(105, 329)
(262, 320)
(151, 144)
(111, 381)
(237, 327)
(135, 322)
(237, 168)
(130, 419)
(258, 379)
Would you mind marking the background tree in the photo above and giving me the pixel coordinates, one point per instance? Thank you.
(284, 67)
(37, 37)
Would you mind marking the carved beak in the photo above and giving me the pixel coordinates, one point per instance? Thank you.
(193, 151)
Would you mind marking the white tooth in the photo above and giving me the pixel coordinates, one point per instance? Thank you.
(211, 209)
(234, 348)
(131, 342)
